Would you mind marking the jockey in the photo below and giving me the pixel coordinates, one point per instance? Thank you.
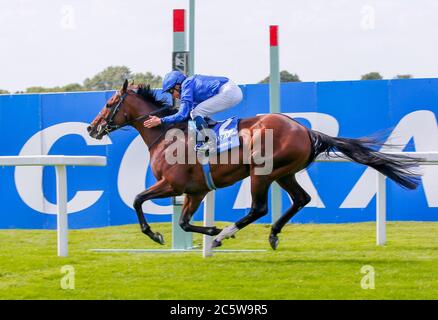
(201, 96)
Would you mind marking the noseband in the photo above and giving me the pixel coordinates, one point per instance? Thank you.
(110, 125)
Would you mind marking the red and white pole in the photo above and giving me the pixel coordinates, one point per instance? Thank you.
(274, 107)
(181, 240)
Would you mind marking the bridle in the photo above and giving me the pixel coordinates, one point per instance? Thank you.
(111, 126)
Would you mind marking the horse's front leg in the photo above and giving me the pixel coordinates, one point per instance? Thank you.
(162, 189)
(191, 204)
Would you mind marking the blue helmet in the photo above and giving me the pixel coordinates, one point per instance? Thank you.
(172, 79)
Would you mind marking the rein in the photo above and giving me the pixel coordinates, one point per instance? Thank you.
(111, 126)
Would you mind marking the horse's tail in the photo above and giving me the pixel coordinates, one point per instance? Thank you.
(395, 167)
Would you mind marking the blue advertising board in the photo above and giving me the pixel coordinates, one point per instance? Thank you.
(102, 196)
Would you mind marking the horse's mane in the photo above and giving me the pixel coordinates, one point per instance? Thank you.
(149, 95)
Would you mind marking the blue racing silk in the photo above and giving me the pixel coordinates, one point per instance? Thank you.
(194, 90)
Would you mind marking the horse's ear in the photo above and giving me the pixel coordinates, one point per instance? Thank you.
(125, 86)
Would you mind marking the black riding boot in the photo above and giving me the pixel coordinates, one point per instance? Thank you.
(201, 126)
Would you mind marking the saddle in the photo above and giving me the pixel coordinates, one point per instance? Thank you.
(226, 132)
(210, 122)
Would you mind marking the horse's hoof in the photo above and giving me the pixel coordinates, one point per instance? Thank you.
(216, 244)
(274, 241)
(213, 231)
(158, 238)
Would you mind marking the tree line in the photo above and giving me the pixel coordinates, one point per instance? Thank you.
(112, 78)
(286, 76)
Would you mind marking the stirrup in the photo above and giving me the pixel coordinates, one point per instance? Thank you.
(204, 147)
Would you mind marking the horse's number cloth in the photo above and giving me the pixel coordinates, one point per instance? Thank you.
(227, 138)
(227, 134)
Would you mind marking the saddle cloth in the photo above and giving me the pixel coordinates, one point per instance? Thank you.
(226, 132)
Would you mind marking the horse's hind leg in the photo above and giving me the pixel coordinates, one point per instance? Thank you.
(299, 197)
(259, 208)
(191, 204)
(159, 190)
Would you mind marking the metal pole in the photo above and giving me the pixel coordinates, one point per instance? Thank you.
(209, 200)
(274, 104)
(61, 200)
(191, 38)
(209, 203)
(381, 210)
(179, 33)
(180, 238)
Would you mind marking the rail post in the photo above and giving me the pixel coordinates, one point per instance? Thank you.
(62, 218)
(180, 238)
(274, 105)
(381, 210)
(191, 68)
(209, 201)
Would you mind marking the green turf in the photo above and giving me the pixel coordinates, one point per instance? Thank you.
(312, 262)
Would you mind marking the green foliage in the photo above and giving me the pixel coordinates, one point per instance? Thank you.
(372, 76)
(4, 91)
(285, 76)
(38, 90)
(73, 87)
(155, 81)
(403, 76)
(111, 78)
(313, 261)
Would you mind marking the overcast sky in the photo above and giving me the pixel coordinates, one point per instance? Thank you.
(50, 42)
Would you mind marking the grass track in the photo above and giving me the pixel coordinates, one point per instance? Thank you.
(312, 262)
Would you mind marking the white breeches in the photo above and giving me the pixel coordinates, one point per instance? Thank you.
(228, 96)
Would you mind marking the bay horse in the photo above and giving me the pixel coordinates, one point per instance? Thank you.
(294, 148)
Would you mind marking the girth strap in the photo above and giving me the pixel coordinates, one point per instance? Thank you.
(207, 176)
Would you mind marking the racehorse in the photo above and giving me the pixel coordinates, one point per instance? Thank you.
(294, 148)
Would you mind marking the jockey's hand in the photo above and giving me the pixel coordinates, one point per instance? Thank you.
(153, 121)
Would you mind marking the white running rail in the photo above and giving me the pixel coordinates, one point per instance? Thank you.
(59, 162)
(428, 158)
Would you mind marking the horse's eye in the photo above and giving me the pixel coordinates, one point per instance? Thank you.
(107, 105)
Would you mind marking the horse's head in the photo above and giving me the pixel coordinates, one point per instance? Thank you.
(127, 106)
(114, 115)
